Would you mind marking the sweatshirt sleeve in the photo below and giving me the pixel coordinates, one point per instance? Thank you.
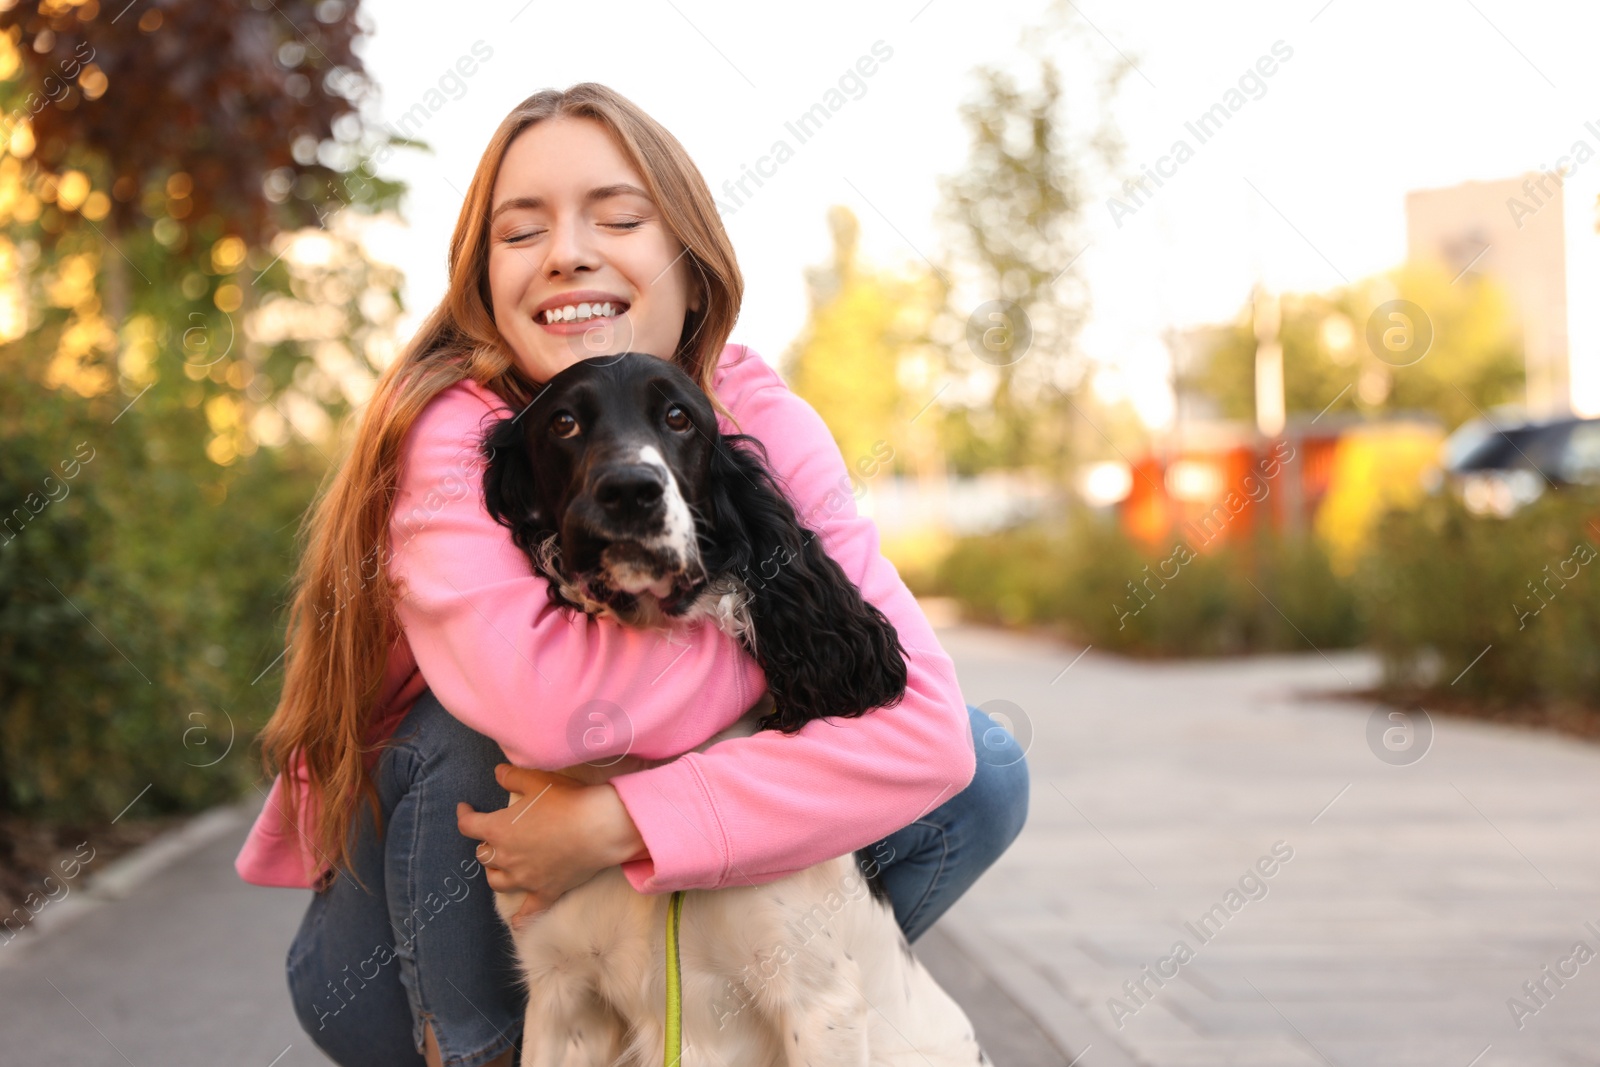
(752, 809)
(479, 621)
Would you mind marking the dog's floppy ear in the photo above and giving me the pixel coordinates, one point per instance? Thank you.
(824, 649)
(510, 487)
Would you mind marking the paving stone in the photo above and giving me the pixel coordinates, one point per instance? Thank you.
(1418, 898)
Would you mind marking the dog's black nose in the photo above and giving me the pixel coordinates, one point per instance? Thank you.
(629, 492)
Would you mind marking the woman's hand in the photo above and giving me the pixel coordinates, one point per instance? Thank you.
(558, 835)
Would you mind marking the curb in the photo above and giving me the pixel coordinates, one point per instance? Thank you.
(126, 873)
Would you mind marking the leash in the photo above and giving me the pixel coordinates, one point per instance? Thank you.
(674, 1050)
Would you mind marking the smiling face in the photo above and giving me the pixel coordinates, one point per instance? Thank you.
(581, 263)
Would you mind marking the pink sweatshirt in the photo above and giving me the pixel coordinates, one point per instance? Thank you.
(478, 629)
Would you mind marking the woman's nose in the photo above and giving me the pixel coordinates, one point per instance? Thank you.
(568, 249)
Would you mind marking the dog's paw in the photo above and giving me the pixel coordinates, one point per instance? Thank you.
(508, 904)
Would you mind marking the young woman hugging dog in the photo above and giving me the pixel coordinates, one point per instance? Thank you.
(429, 674)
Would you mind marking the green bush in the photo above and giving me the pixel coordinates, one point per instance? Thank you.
(1442, 585)
(1097, 586)
(137, 605)
(1438, 591)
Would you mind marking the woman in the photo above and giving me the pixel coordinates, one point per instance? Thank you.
(424, 653)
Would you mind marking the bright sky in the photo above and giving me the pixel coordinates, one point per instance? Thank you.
(1304, 186)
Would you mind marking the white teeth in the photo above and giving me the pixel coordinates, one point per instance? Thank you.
(578, 312)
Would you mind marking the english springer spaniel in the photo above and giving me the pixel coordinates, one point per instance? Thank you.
(618, 484)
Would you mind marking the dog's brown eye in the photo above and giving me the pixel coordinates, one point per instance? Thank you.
(564, 425)
(677, 419)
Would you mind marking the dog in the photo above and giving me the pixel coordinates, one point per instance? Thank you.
(618, 484)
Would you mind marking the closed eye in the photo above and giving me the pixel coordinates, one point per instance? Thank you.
(518, 238)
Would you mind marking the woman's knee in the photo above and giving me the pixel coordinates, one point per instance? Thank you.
(314, 1000)
(303, 985)
(312, 990)
(1000, 782)
(430, 740)
(343, 985)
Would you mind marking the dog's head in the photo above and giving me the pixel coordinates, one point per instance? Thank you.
(620, 487)
(599, 480)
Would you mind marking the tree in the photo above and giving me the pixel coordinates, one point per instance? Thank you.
(1334, 354)
(247, 103)
(865, 335)
(178, 294)
(1016, 216)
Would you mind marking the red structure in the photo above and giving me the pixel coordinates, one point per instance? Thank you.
(1209, 497)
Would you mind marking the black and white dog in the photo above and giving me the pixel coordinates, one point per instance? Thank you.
(618, 484)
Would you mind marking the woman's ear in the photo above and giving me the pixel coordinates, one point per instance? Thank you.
(697, 286)
(510, 486)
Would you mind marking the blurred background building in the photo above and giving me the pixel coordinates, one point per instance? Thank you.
(1515, 232)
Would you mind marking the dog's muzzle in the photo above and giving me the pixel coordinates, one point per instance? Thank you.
(642, 534)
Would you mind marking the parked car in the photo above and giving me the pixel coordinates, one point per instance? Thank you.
(1498, 469)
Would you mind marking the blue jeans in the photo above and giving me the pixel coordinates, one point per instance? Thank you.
(422, 942)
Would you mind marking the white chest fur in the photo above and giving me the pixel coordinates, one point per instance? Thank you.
(808, 969)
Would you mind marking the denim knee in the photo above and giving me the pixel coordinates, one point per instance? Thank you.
(450, 748)
(1000, 782)
(302, 991)
(356, 1018)
(457, 964)
(934, 860)
(445, 955)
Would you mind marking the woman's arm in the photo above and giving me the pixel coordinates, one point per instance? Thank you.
(752, 809)
(492, 647)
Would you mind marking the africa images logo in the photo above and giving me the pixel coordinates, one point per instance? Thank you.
(1203, 128)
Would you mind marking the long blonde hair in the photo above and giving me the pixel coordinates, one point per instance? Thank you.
(342, 622)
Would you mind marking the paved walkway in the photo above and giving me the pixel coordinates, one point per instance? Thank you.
(1420, 895)
(1417, 899)
(177, 963)
(169, 959)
